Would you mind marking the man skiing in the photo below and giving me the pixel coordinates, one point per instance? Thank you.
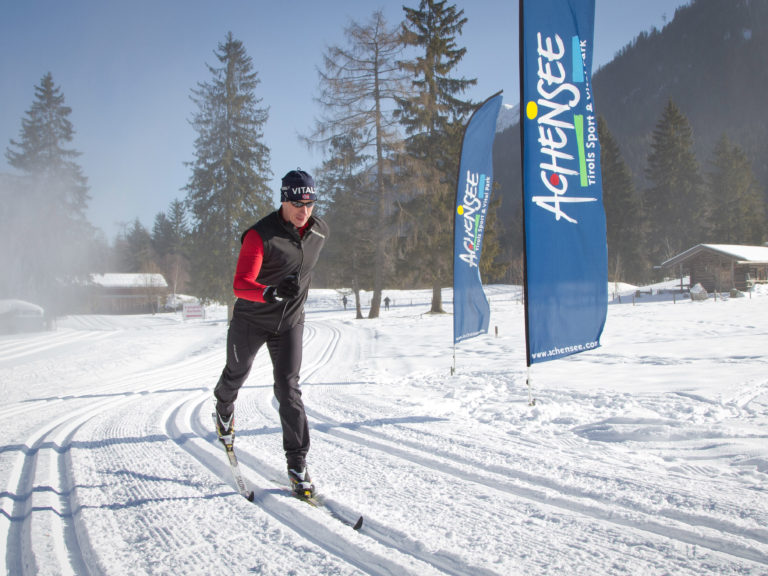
(272, 278)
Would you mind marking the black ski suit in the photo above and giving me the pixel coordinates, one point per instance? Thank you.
(279, 325)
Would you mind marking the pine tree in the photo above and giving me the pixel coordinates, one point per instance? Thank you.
(433, 120)
(162, 241)
(177, 253)
(227, 191)
(358, 87)
(45, 236)
(675, 205)
(739, 214)
(161, 235)
(169, 237)
(179, 232)
(42, 154)
(137, 254)
(623, 212)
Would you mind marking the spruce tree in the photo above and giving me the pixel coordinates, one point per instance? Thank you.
(177, 258)
(169, 237)
(161, 241)
(45, 236)
(137, 254)
(739, 214)
(433, 118)
(227, 191)
(161, 235)
(358, 87)
(623, 212)
(42, 152)
(675, 205)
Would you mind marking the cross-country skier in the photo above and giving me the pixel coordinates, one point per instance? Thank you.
(274, 271)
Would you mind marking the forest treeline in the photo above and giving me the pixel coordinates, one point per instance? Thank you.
(393, 113)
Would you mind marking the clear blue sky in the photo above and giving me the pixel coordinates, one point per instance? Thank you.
(127, 68)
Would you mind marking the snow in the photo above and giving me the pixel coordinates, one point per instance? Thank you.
(20, 307)
(645, 456)
(116, 280)
(746, 253)
(757, 254)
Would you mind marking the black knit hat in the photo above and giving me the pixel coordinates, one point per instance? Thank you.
(297, 185)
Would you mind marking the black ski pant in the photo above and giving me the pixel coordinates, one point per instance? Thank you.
(243, 342)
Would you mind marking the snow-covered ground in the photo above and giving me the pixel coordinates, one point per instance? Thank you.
(645, 456)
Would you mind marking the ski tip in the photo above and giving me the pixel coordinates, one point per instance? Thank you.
(249, 496)
(358, 524)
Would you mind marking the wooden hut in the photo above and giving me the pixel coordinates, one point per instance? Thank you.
(127, 293)
(722, 267)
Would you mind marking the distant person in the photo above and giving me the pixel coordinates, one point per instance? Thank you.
(386, 303)
(344, 301)
(274, 271)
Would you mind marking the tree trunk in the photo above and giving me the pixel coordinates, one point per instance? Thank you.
(375, 304)
(437, 299)
(358, 306)
(381, 217)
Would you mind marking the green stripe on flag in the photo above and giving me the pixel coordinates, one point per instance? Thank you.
(578, 122)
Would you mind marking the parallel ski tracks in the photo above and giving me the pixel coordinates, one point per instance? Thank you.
(17, 349)
(40, 524)
(688, 528)
(184, 425)
(42, 497)
(723, 537)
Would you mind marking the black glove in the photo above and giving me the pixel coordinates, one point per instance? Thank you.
(287, 289)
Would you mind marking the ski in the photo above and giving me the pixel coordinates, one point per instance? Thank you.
(317, 501)
(242, 487)
(237, 475)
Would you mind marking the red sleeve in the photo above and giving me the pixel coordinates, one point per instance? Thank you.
(248, 266)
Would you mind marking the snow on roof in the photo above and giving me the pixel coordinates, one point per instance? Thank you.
(26, 308)
(756, 254)
(129, 280)
(746, 253)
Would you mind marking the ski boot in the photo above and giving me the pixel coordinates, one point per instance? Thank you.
(225, 429)
(301, 483)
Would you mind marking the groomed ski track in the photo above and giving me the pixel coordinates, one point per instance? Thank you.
(118, 471)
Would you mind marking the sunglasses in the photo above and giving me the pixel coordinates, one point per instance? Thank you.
(299, 204)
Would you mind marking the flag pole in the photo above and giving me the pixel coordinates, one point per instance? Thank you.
(521, 70)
